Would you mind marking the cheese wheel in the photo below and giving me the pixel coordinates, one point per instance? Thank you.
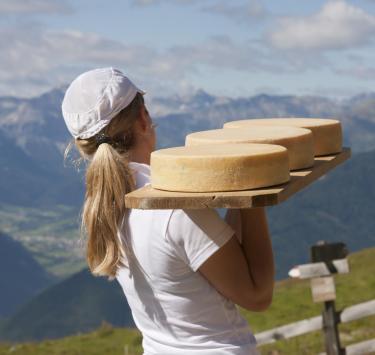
(225, 167)
(298, 141)
(327, 133)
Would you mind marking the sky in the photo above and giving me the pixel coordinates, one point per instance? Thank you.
(236, 48)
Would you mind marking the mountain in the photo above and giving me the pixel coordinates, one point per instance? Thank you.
(27, 182)
(338, 207)
(78, 304)
(21, 277)
(32, 138)
(36, 126)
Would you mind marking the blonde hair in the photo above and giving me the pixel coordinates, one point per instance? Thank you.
(108, 179)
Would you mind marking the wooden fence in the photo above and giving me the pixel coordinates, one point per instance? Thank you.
(348, 314)
(327, 259)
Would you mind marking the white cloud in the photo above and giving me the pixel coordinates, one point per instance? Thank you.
(154, 2)
(337, 25)
(34, 6)
(223, 52)
(240, 11)
(250, 9)
(361, 72)
(34, 59)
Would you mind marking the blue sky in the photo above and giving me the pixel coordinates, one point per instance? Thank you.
(175, 47)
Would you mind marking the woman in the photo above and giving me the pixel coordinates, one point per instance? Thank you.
(182, 271)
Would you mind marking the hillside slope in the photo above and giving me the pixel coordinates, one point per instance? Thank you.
(21, 277)
(338, 207)
(78, 304)
(292, 301)
(27, 182)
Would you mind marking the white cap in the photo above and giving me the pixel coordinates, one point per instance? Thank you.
(94, 98)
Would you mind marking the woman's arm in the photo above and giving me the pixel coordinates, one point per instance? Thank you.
(244, 273)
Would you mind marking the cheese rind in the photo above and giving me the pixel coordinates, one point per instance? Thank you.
(298, 141)
(327, 133)
(226, 167)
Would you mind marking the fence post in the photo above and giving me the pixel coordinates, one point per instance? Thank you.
(324, 252)
(331, 334)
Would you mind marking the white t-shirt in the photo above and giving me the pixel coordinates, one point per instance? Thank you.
(173, 305)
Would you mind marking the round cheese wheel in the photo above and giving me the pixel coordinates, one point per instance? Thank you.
(298, 141)
(327, 133)
(225, 167)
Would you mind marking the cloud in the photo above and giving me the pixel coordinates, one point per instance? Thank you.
(337, 25)
(223, 52)
(243, 11)
(34, 7)
(361, 72)
(154, 2)
(252, 9)
(35, 59)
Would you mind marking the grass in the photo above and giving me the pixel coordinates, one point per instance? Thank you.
(106, 340)
(292, 302)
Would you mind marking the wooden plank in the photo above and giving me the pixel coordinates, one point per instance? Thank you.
(323, 289)
(364, 347)
(358, 311)
(312, 324)
(149, 198)
(307, 271)
(289, 330)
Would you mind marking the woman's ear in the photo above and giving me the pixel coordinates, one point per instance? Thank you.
(143, 119)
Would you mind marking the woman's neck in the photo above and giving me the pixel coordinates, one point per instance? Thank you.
(140, 155)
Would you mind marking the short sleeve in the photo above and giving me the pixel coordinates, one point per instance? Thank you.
(197, 234)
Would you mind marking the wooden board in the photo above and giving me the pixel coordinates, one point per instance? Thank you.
(323, 289)
(149, 198)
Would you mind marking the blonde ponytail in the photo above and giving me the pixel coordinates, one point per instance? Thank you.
(108, 179)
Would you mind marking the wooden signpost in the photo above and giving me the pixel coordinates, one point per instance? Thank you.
(327, 259)
(323, 290)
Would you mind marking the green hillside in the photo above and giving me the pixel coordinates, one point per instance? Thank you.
(292, 302)
(78, 304)
(339, 207)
